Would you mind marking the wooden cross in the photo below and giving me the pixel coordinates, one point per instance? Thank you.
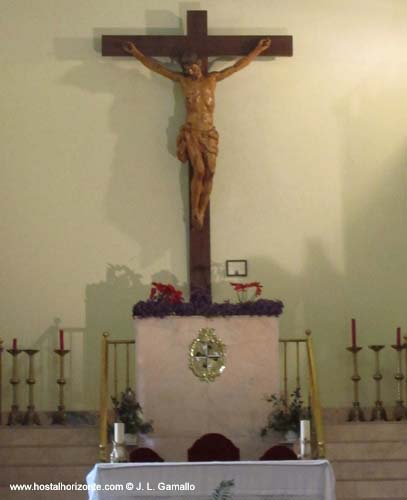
(196, 40)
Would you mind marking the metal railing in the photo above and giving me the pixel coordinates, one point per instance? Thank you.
(104, 386)
(314, 399)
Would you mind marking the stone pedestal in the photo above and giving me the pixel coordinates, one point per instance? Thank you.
(182, 406)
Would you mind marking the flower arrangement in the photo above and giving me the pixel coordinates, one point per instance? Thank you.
(167, 293)
(241, 290)
(160, 305)
(130, 413)
(285, 416)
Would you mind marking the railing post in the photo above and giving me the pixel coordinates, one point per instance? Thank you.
(1, 381)
(104, 389)
(316, 404)
(285, 378)
(127, 366)
(297, 352)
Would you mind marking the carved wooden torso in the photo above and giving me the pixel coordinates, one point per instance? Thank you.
(199, 101)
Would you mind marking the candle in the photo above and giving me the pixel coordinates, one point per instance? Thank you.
(119, 432)
(14, 344)
(305, 438)
(61, 340)
(398, 336)
(353, 332)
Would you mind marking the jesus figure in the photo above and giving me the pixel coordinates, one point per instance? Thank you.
(198, 138)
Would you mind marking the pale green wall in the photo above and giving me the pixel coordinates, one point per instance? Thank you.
(310, 187)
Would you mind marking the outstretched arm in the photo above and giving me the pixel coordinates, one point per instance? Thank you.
(263, 45)
(155, 66)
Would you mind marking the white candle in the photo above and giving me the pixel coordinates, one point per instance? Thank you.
(305, 438)
(119, 432)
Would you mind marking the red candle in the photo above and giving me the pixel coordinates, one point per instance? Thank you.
(398, 336)
(61, 340)
(353, 332)
(14, 344)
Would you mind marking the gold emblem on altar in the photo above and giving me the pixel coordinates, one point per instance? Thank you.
(207, 355)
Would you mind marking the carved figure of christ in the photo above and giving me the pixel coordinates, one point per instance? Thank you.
(197, 41)
(198, 138)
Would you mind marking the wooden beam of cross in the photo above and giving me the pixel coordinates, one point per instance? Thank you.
(197, 40)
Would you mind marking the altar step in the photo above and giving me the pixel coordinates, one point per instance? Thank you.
(43, 455)
(369, 460)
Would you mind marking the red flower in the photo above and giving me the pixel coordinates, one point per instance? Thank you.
(256, 285)
(175, 297)
(240, 289)
(167, 293)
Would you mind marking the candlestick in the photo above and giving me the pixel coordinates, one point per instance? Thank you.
(31, 416)
(356, 413)
(119, 453)
(14, 416)
(398, 336)
(400, 411)
(378, 412)
(14, 347)
(59, 417)
(353, 332)
(61, 340)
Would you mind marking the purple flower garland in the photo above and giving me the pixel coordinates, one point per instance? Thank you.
(201, 305)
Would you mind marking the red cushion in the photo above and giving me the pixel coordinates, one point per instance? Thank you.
(213, 447)
(144, 455)
(279, 452)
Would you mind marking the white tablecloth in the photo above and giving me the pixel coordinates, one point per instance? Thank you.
(282, 480)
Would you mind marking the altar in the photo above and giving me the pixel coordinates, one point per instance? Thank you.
(283, 480)
(184, 406)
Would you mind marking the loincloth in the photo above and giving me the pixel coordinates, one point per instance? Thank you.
(206, 140)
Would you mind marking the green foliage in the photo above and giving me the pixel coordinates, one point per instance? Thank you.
(285, 417)
(130, 413)
(223, 491)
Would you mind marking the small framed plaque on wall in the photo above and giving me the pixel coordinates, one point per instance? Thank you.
(236, 268)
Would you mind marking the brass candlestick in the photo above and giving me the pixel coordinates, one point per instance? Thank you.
(400, 411)
(356, 413)
(378, 412)
(31, 416)
(59, 417)
(119, 453)
(15, 416)
(1, 381)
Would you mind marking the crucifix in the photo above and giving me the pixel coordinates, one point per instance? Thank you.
(197, 141)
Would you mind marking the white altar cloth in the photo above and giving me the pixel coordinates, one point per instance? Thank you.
(277, 480)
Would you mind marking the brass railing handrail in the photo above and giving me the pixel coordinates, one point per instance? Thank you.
(314, 391)
(292, 340)
(104, 389)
